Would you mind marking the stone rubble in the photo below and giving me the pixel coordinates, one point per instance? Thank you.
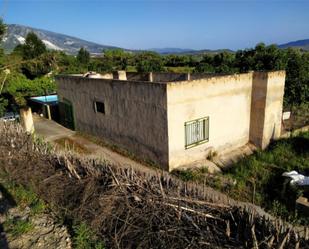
(45, 234)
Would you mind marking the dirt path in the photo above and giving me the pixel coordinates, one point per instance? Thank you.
(54, 132)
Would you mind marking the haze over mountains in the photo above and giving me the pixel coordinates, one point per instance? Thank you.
(16, 34)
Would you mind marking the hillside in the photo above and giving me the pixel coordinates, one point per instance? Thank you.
(16, 34)
(302, 44)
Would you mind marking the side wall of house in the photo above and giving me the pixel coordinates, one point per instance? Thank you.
(226, 100)
(135, 113)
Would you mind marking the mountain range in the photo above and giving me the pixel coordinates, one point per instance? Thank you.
(302, 44)
(16, 34)
(187, 51)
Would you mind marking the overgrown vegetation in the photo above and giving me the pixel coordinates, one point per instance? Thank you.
(23, 197)
(17, 227)
(84, 238)
(127, 208)
(258, 178)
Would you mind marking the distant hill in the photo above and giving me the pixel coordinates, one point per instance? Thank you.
(171, 50)
(184, 51)
(16, 34)
(302, 44)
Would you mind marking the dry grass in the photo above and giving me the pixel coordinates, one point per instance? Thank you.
(71, 145)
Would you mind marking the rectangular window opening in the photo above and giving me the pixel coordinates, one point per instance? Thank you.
(196, 132)
(99, 107)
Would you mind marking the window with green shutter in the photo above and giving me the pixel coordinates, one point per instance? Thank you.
(196, 132)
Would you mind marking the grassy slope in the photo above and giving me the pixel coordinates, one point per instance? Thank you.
(258, 178)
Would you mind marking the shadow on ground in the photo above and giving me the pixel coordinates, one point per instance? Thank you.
(6, 202)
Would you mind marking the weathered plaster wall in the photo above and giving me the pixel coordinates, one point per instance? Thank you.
(266, 107)
(226, 100)
(148, 118)
(259, 90)
(136, 114)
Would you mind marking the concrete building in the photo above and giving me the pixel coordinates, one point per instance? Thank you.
(175, 119)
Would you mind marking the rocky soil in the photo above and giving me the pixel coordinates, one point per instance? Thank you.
(39, 231)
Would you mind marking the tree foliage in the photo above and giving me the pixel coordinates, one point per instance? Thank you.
(117, 59)
(297, 78)
(2, 29)
(149, 62)
(3, 105)
(83, 56)
(17, 87)
(32, 48)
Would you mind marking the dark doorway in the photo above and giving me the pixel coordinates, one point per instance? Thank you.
(67, 114)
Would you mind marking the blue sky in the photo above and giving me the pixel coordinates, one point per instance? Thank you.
(141, 24)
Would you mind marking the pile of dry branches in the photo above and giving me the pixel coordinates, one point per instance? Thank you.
(132, 209)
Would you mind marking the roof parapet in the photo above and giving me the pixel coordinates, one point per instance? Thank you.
(120, 75)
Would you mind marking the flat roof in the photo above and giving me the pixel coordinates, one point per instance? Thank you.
(163, 77)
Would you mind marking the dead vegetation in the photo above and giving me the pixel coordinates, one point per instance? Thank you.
(131, 209)
(70, 145)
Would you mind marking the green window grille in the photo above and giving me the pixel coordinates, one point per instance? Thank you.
(196, 132)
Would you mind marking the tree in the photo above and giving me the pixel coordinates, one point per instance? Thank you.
(66, 64)
(32, 48)
(244, 60)
(297, 78)
(149, 62)
(3, 101)
(17, 87)
(39, 67)
(176, 60)
(117, 58)
(268, 58)
(83, 56)
(3, 106)
(206, 65)
(2, 29)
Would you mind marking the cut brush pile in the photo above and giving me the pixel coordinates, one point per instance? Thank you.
(131, 209)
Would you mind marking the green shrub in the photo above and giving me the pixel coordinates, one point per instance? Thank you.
(17, 227)
(84, 238)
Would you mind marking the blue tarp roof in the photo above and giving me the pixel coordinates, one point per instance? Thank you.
(48, 99)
